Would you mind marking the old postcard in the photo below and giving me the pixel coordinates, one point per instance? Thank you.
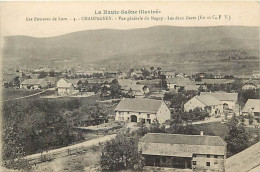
(130, 86)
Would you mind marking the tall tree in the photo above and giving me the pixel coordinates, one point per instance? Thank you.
(237, 138)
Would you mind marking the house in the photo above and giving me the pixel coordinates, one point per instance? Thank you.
(136, 90)
(195, 152)
(206, 102)
(228, 100)
(130, 87)
(251, 84)
(137, 74)
(34, 84)
(64, 87)
(142, 110)
(177, 83)
(247, 160)
(169, 74)
(252, 107)
(112, 73)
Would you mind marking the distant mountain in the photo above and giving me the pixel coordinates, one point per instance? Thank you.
(108, 44)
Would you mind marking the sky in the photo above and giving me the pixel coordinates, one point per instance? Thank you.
(15, 16)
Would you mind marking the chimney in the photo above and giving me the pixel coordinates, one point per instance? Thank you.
(201, 133)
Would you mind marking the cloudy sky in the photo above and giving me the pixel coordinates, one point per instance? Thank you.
(15, 15)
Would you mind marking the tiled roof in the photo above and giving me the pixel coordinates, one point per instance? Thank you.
(62, 83)
(181, 145)
(209, 100)
(252, 105)
(255, 82)
(139, 105)
(246, 160)
(222, 96)
(183, 139)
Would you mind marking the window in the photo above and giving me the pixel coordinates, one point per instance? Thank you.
(122, 118)
(208, 164)
(208, 156)
(194, 156)
(215, 156)
(215, 162)
(139, 113)
(194, 163)
(148, 115)
(127, 112)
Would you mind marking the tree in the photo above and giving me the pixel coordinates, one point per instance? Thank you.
(155, 127)
(163, 82)
(115, 89)
(42, 75)
(198, 79)
(94, 112)
(121, 153)
(16, 81)
(237, 138)
(85, 83)
(80, 84)
(145, 72)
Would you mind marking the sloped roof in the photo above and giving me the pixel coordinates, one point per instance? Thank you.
(139, 105)
(62, 83)
(255, 82)
(252, 105)
(246, 160)
(208, 100)
(222, 96)
(34, 82)
(181, 145)
(191, 87)
(183, 139)
(180, 81)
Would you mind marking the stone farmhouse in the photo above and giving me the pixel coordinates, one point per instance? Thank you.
(205, 102)
(142, 110)
(252, 107)
(228, 100)
(34, 84)
(195, 152)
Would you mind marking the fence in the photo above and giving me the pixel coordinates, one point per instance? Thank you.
(48, 156)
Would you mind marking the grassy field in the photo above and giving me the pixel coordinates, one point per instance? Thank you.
(8, 94)
(84, 162)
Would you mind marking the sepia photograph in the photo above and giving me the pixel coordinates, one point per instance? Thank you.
(130, 86)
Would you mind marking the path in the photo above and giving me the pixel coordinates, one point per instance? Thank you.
(28, 95)
(89, 143)
(207, 121)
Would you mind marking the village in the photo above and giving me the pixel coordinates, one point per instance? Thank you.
(176, 120)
